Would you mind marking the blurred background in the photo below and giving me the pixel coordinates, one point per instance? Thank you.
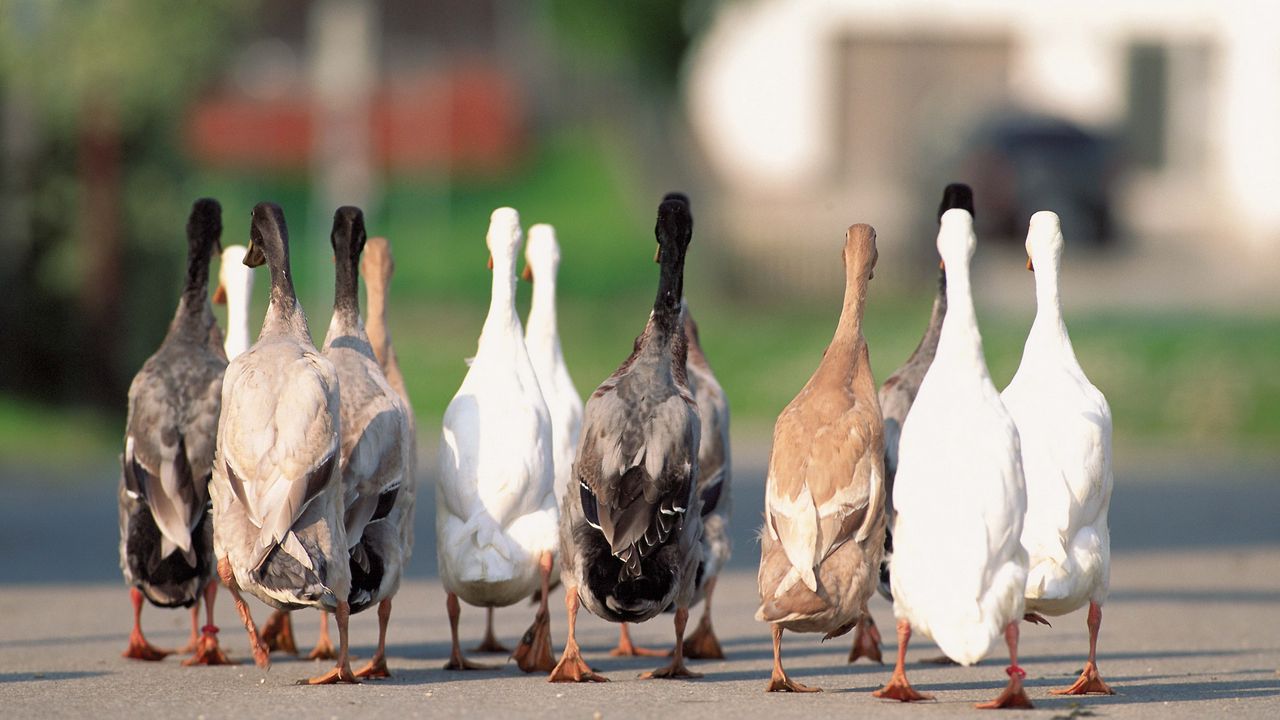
(1149, 127)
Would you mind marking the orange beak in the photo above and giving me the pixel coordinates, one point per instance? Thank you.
(657, 255)
(220, 295)
(490, 265)
(942, 264)
(1030, 267)
(527, 275)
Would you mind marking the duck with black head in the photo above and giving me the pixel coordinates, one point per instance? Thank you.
(629, 535)
(166, 537)
(277, 487)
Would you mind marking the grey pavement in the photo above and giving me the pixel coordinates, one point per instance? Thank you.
(1191, 630)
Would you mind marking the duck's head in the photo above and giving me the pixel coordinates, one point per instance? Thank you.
(1044, 240)
(268, 237)
(204, 229)
(674, 229)
(376, 264)
(542, 253)
(348, 235)
(232, 273)
(956, 195)
(504, 236)
(860, 253)
(956, 240)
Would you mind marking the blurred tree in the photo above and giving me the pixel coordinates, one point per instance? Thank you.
(646, 39)
(94, 95)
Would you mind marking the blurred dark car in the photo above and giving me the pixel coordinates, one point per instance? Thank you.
(1021, 163)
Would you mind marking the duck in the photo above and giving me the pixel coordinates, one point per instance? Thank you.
(714, 474)
(824, 492)
(630, 529)
(958, 569)
(1065, 426)
(896, 395)
(378, 488)
(496, 511)
(278, 508)
(166, 535)
(235, 290)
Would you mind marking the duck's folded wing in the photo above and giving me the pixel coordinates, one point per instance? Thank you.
(161, 475)
(825, 488)
(637, 478)
(374, 472)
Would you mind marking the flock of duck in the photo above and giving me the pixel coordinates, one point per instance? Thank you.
(288, 471)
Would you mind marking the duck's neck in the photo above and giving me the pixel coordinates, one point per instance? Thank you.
(1050, 329)
(284, 312)
(376, 319)
(502, 320)
(194, 315)
(847, 346)
(346, 292)
(238, 316)
(928, 346)
(959, 334)
(542, 326)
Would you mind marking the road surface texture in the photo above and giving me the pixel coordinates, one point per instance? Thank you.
(1192, 628)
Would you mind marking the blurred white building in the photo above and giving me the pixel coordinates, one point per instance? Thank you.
(816, 113)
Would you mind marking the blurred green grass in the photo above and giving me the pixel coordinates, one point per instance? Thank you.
(1201, 381)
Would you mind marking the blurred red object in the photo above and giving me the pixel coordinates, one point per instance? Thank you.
(470, 121)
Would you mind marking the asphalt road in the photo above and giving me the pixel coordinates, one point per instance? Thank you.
(1191, 630)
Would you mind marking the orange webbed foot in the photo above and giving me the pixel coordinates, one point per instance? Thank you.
(901, 690)
(703, 644)
(340, 674)
(375, 670)
(866, 642)
(675, 670)
(781, 683)
(1013, 696)
(140, 649)
(572, 668)
(533, 654)
(1089, 683)
(277, 634)
(208, 652)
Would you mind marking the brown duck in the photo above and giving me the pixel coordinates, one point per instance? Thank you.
(824, 496)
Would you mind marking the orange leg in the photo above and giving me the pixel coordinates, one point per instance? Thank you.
(1090, 681)
(676, 668)
(139, 648)
(194, 643)
(277, 633)
(898, 687)
(456, 660)
(341, 673)
(377, 667)
(702, 644)
(572, 668)
(533, 654)
(1013, 695)
(779, 682)
(866, 641)
(490, 642)
(626, 648)
(324, 646)
(261, 656)
(207, 650)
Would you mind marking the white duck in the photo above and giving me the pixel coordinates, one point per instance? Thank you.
(1065, 426)
(276, 488)
(235, 289)
(542, 338)
(496, 511)
(958, 568)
